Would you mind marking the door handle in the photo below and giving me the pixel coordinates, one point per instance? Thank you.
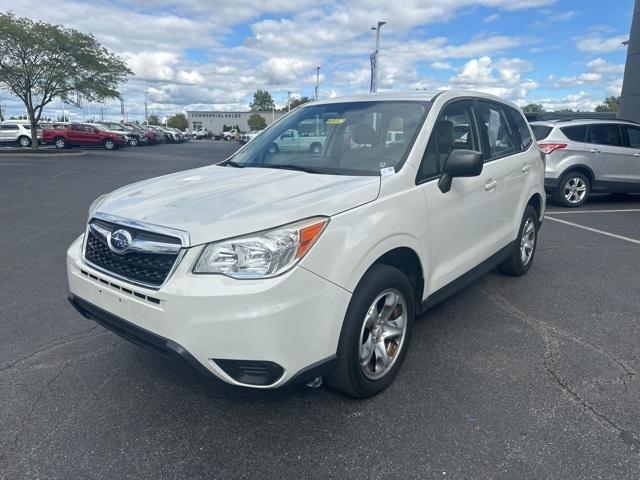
(525, 169)
(490, 185)
(595, 150)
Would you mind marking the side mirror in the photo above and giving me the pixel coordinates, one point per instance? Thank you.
(461, 163)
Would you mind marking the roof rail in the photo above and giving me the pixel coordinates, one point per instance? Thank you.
(558, 120)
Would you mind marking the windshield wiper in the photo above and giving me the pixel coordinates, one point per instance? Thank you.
(231, 163)
(289, 167)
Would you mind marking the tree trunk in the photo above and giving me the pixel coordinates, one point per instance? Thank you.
(34, 132)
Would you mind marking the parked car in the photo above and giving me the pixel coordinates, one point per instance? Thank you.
(230, 134)
(17, 132)
(275, 268)
(247, 137)
(134, 137)
(585, 156)
(178, 134)
(292, 140)
(150, 135)
(199, 134)
(84, 134)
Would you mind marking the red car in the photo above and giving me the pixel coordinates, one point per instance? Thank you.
(84, 134)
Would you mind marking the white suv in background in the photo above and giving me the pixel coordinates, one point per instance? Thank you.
(17, 132)
(279, 267)
(585, 156)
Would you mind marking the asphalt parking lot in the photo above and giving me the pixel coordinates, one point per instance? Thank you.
(534, 377)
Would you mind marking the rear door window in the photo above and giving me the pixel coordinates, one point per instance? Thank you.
(520, 127)
(495, 126)
(633, 133)
(541, 131)
(605, 134)
(577, 133)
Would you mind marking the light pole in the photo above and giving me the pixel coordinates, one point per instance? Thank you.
(375, 67)
(146, 109)
(630, 95)
(288, 101)
(317, 82)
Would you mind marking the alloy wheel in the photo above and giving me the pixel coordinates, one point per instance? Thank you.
(25, 142)
(527, 241)
(382, 334)
(575, 190)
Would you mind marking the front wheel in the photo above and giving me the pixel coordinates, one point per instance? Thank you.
(109, 144)
(24, 141)
(133, 142)
(375, 334)
(521, 258)
(60, 143)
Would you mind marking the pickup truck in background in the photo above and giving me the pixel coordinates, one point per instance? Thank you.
(84, 134)
(291, 140)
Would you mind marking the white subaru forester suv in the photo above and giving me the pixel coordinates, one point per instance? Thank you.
(273, 268)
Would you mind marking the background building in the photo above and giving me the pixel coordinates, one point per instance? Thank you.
(630, 99)
(214, 121)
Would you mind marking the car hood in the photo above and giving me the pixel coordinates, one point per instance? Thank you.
(214, 202)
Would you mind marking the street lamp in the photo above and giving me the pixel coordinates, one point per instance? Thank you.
(375, 67)
(317, 82)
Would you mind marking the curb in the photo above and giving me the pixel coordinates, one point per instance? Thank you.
(18, 153)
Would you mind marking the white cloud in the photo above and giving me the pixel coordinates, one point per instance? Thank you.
(441, 66)
(594, 43)
(492, 18)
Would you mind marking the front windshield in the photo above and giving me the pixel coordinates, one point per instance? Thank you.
(351, 138)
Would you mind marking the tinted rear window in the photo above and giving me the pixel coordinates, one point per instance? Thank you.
(577, 133)
(541, 131)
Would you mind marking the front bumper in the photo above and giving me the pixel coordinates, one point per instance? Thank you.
(217, 323)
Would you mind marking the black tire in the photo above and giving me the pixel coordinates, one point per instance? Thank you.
(273, 148)
(24, 141)
(133, 142)
(564, 188)
(349, 376)
(515, 265)
(109, 144)
(60, 143)
(315, 148)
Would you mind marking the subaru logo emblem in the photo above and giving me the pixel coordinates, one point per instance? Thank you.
(119, 241)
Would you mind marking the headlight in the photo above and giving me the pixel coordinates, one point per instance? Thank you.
(263, 254)
(96, 204)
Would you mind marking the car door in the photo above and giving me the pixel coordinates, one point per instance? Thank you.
(608, 158)
(633, 152)
(463, 222)
(75, 135)
(499, 129)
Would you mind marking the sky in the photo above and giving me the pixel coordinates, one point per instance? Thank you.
(210, 54)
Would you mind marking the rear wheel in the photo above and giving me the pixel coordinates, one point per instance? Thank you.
(573, 190)
(60, 143)
(273, 148)
(524, 250)
(375, 334)
(133, 141)
(109, 144)
(24, 141)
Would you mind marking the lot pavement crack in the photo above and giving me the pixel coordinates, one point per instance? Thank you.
(59, 342)
(549, 335)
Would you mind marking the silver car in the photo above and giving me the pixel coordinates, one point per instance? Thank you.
(584, 156)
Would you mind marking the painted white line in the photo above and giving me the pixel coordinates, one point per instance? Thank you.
(553, 212)
(595, 230)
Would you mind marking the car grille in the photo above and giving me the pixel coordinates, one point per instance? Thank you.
(149, 269)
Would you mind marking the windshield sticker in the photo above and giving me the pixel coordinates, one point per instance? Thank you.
(336, 121)
(385, 172)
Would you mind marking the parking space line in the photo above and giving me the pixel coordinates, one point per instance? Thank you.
(592, 211)
(595, 230)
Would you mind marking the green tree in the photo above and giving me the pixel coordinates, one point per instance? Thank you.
(179, 121)
(296, 102)
(40, 61)
(610, 104)
(256, 122)
(533, 108)
(262, 101)
(153, 120)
